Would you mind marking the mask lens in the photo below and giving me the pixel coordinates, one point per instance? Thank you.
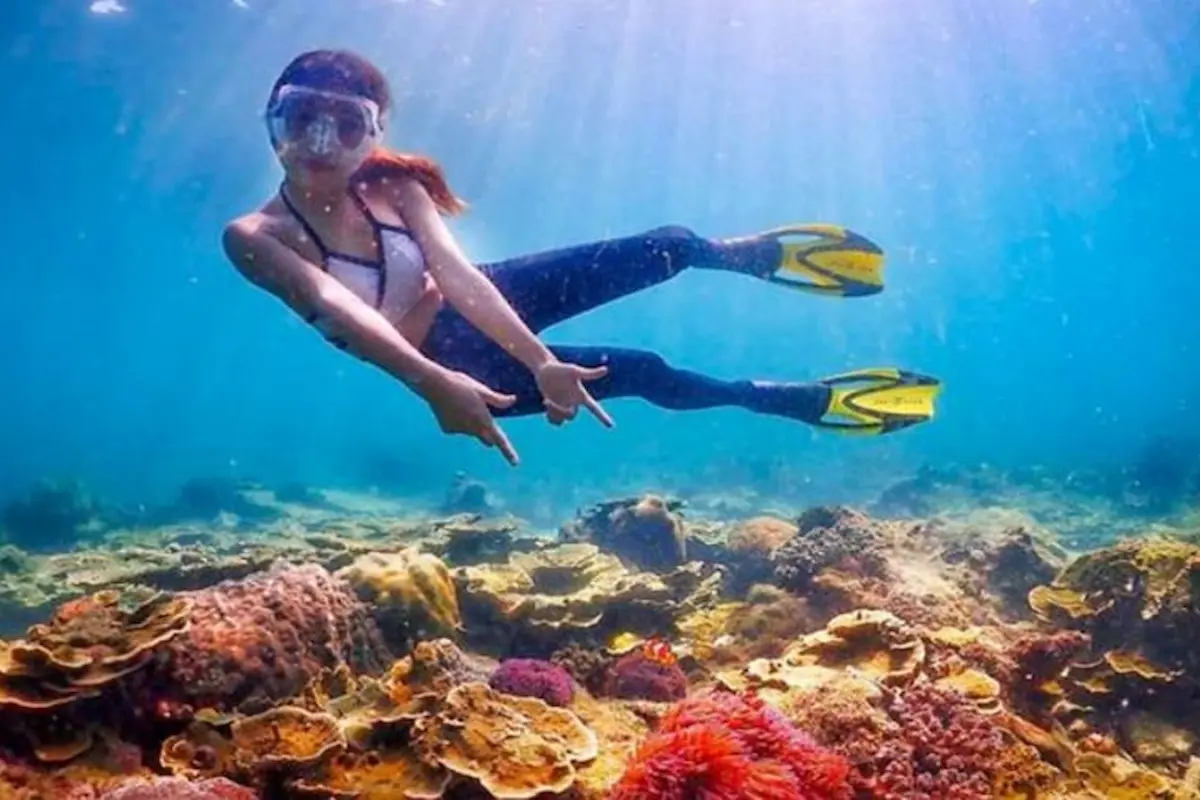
(297, 111)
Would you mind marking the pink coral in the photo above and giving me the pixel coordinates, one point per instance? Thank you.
(945, 749)
(720, 746)
(262, 639)
(636, 676)
(180, 789)
(531, 677)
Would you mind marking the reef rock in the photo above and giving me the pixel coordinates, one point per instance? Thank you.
(647, 532)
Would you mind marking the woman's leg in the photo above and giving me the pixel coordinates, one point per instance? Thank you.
(553, 286)
(639, 373)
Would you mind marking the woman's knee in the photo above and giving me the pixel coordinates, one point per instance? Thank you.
(669, 236)
(677, 242)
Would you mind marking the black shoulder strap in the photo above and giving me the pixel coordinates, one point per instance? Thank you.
(312, 234)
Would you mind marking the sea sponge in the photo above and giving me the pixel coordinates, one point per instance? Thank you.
(531, 677)
(723, 746)
(636, 676)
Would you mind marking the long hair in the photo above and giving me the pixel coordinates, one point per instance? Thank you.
(350, 73)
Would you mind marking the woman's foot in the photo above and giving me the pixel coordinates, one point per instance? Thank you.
(818, 258)
(867, 401)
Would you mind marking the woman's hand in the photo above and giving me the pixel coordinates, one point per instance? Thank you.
(461, 405)
(562, 391)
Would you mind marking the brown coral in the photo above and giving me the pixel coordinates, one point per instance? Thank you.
(874, 642)
(389, 775)
(543, 596)
(515, 747)
(284, 739)
(411, 594)
(1136, 595)
(88, 644)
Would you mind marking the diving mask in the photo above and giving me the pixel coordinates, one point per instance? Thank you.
(326, 125)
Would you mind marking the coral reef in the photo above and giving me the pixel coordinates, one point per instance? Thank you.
(646, 532)
(588, 666)
(836, 656)
(543, 600)
(827, 537)
(254, 642)
(729, 747)
(411, 594)
(640, 676)
(180, 789)
(469, 496)
(945, 749)
(530, 677)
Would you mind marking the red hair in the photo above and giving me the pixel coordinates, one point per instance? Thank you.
(350, 73)
(387, 164)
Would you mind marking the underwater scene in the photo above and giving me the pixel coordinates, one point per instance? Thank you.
(600, 400)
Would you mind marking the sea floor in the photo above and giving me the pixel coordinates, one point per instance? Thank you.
(965, 635)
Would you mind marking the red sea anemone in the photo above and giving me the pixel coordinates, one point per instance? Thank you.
(720, 746)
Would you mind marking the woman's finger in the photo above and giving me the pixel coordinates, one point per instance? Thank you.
(591, 373)
(491, 396)
(493, 435)
(565, 411)
(496, 399)
(597, 410)
(561, 412)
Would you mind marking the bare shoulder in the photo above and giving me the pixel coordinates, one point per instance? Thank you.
(246, 236)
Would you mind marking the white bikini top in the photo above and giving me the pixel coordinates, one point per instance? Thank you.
(392, 285)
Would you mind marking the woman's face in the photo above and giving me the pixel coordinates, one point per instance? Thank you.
(320, 135)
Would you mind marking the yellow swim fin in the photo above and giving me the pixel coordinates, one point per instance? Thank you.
(874, 401)
(828, 260)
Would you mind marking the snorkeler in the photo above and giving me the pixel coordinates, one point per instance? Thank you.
(355, 242)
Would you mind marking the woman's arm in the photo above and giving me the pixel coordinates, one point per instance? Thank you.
(464, 286)
(308, 290)
(477, 299)
(460, 403)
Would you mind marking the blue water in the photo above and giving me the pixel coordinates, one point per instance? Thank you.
(1031, 167)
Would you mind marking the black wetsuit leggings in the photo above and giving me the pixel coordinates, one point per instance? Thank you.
(550, 287)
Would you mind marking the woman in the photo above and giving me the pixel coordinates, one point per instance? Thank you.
(355, 242)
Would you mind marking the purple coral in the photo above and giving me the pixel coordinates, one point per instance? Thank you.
(531, 677)
(636, 676)
(946, 749)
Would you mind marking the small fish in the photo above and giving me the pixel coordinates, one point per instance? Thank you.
(659, 652)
